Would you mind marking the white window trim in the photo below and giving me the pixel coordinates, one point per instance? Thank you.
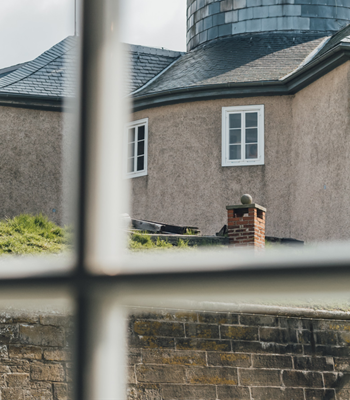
(226, 162)
(135, 124)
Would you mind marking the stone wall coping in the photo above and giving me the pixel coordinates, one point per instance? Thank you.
(239, 206)
(285, 311)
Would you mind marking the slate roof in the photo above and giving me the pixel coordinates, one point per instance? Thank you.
(238, 59)
(147, 62)
(52, 73)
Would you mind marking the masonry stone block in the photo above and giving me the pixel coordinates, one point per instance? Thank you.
(319, 394)
(42, 335)
(203, 344)
(171, 392)
(171, 357)
(28, 352)
(60, 391)
(12, 394)
(302, 379)
(229, 359)
(57, 355)
(218, 318)
(161, 374)
(259, 377)
(232, 392)
(277, 394)
(278, 335)
(314, 363)
(212, 376)
(202, 331)
(156, 328)
(47, 372)
(259, 320)
(239, 332)
(272, 361)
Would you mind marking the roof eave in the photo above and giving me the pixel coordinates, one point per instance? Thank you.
(291, 85)
(48, 103)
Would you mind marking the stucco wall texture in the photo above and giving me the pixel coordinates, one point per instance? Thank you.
(31, 162)
(304, 183)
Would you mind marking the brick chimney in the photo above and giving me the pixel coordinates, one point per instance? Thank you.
(246, 224)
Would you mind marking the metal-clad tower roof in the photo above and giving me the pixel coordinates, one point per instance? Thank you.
(211, 19)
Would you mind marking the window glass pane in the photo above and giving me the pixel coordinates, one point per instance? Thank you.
(251, 151)
(235, 121)
(235, 152)
(251, 119)
(140, 163)
(141, 133)
(141, 148)
(235, 136)
(131, 165)
(251, 135)
(131, 135)
(131, 151)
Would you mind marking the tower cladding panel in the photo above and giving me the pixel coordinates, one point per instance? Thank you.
(211, 19)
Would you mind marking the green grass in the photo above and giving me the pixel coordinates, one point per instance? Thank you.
(142, 241)
(32, 234)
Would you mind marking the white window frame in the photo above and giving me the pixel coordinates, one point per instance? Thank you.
(226, 111)
(136, 124)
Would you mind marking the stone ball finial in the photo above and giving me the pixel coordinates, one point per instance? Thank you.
(246, 199)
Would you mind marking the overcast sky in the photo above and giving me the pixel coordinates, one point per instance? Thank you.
(29, 27)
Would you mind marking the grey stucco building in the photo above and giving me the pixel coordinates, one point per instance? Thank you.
(259, 104)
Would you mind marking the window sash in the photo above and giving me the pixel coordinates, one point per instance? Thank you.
(137, 172)
(242, 111)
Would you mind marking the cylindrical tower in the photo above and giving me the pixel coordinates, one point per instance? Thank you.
(210, 19)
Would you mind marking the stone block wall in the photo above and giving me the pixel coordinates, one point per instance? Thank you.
(210, 19)
(35, 356)
(205, 355)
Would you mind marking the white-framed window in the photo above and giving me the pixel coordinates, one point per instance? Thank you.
(137, 143)
(243, 135)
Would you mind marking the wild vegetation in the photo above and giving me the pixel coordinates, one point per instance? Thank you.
(32, 234)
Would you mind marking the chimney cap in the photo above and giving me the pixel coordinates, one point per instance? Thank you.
(246, 199)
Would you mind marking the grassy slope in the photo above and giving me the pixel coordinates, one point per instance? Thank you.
(27, 234)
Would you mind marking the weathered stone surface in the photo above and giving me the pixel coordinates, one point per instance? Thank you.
(55, 320)
(29, 352)
(267, 361)
(232, 393)
(173, 357)
(259, 377)
(156, 328)
(57, 355)
(150, 342)
(3, 351)
(131, 375)
(37, 395)
(135, 356)
(278, 335)
(9, 333)
(218, 318)
(342, 364)
(258, 320)
(229, 359)
(47, 372)
(144, 391)
(314, 363)
(302, 379)
(202, 331)
(41, 335)
(160, 374)
(180, 392)
(203, 344)
(319, 394)
(212, 376)
(277, 394)
(12, 394)
(239, 332)
(17, 380)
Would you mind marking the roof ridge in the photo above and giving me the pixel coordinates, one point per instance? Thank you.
(154, 50)
(46, 57)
